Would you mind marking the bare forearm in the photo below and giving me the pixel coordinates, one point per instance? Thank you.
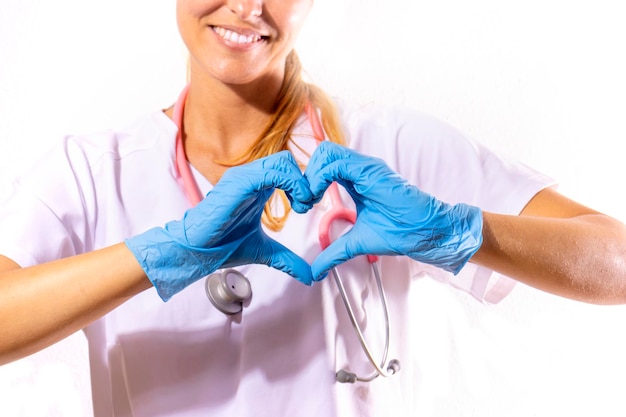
(44, 304)
(582, 258)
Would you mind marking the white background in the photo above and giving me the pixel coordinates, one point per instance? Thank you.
(542, 81)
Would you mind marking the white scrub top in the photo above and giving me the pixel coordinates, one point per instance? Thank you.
(278, 358)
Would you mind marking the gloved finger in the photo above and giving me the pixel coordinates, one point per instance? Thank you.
(358, 174)
(300, 207)
(283, 172)
(279, 170)
(326, 153)
(338, 252)
(294, 185)
(245, 195)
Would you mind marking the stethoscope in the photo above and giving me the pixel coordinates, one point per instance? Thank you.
(229, 290)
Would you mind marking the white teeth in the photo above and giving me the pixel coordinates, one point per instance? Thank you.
(235, 37)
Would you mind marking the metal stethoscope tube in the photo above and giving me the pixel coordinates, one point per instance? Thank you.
(383, 369)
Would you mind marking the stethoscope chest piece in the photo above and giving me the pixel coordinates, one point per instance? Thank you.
(228, 290)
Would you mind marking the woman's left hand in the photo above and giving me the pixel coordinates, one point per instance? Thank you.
(393, 217)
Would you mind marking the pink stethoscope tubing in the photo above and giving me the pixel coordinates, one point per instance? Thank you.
(337, 212)
(184, 170)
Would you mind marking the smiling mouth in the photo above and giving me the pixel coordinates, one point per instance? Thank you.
(238, 38)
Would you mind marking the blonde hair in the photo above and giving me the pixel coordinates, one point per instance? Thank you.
(292, 99)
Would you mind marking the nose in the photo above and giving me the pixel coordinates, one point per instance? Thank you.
(246, 9)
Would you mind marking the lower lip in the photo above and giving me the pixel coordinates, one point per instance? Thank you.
(242, 47)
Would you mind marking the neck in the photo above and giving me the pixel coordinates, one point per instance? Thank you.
(221, 121)
(228, 113)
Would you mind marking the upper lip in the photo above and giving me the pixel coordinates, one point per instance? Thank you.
(243, 30)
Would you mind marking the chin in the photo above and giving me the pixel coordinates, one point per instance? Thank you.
(244, 75)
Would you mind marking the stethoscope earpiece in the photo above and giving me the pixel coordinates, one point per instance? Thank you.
(393, 367)
(345, 376)
(227, 290)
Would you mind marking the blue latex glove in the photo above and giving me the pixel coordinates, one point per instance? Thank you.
(393, 217)
(224, 229)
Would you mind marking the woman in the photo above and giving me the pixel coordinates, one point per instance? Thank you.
(104, 214)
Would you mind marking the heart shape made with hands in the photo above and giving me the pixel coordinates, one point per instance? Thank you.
(392, 216)
(224, 229)
(369, 182)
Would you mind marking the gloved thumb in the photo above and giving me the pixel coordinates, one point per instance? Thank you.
(280, 257)
(335, 254)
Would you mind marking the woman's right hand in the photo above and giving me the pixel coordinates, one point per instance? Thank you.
(224, 229)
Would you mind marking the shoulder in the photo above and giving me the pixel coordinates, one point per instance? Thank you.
(84, 162)
(74, 154)
(144, 133)
(414, 143)
(375, 126)
(441, 160)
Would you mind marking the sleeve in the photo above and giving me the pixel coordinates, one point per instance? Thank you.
(44, 214)
(441, 161)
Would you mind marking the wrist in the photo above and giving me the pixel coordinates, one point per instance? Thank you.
(454, 236)
(169, 264)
